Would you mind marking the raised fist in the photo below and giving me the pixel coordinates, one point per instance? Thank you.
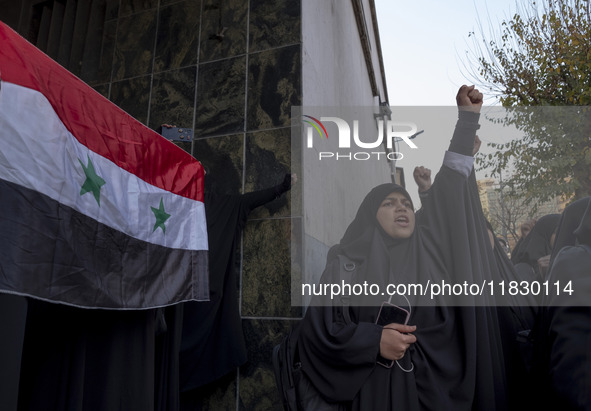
(469, 99)
(422, 177)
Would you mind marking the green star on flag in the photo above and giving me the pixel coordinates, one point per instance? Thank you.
(93, 182)
(161, 216)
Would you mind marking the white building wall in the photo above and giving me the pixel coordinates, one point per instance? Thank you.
(335, 74)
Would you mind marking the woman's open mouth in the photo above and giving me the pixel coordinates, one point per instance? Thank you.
(402, 220)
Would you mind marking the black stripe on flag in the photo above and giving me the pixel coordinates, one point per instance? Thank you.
(53, 252)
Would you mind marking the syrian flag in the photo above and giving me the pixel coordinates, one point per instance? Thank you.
(96, 210)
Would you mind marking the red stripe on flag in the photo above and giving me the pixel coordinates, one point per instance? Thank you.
(98, 123)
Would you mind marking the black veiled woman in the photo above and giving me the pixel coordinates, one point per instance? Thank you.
(562, 336)
(536, 245)
(452, 360)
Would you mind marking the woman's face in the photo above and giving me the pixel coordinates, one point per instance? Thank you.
(396, 216)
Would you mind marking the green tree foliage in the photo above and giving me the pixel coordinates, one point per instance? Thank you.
(541, 57)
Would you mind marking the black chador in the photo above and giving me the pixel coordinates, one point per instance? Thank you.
(212, 341)
(456, 362)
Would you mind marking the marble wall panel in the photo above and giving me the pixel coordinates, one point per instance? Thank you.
(266, 269)
(112, 9)
(257, 388)
(178, 35)
(134, 45)
(168, 2)
(297, 263)
(132, 95)
(223, 29)
(223, 158)
(173, 96)
(274, 85)
(266, 163)
(135, 6)
(102, 89)
(106, 57)
(274, 24)
(220, 97)
(184, 146)
(295, 153)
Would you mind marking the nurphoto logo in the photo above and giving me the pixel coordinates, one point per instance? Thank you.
(393, 131)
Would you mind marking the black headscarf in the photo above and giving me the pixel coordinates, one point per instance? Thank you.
(569, 221)
(583, 232)
(366, 242)
(537, 243)
(356, 240)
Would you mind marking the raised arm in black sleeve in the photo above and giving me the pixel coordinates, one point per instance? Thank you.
(462, 141)
(258, 198)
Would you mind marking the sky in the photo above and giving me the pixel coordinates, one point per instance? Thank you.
(424, 45)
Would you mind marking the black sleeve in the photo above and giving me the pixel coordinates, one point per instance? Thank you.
(462, 141)
(258, 198)
(252, 200)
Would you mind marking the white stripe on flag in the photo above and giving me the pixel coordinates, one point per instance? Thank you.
(39, 153)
